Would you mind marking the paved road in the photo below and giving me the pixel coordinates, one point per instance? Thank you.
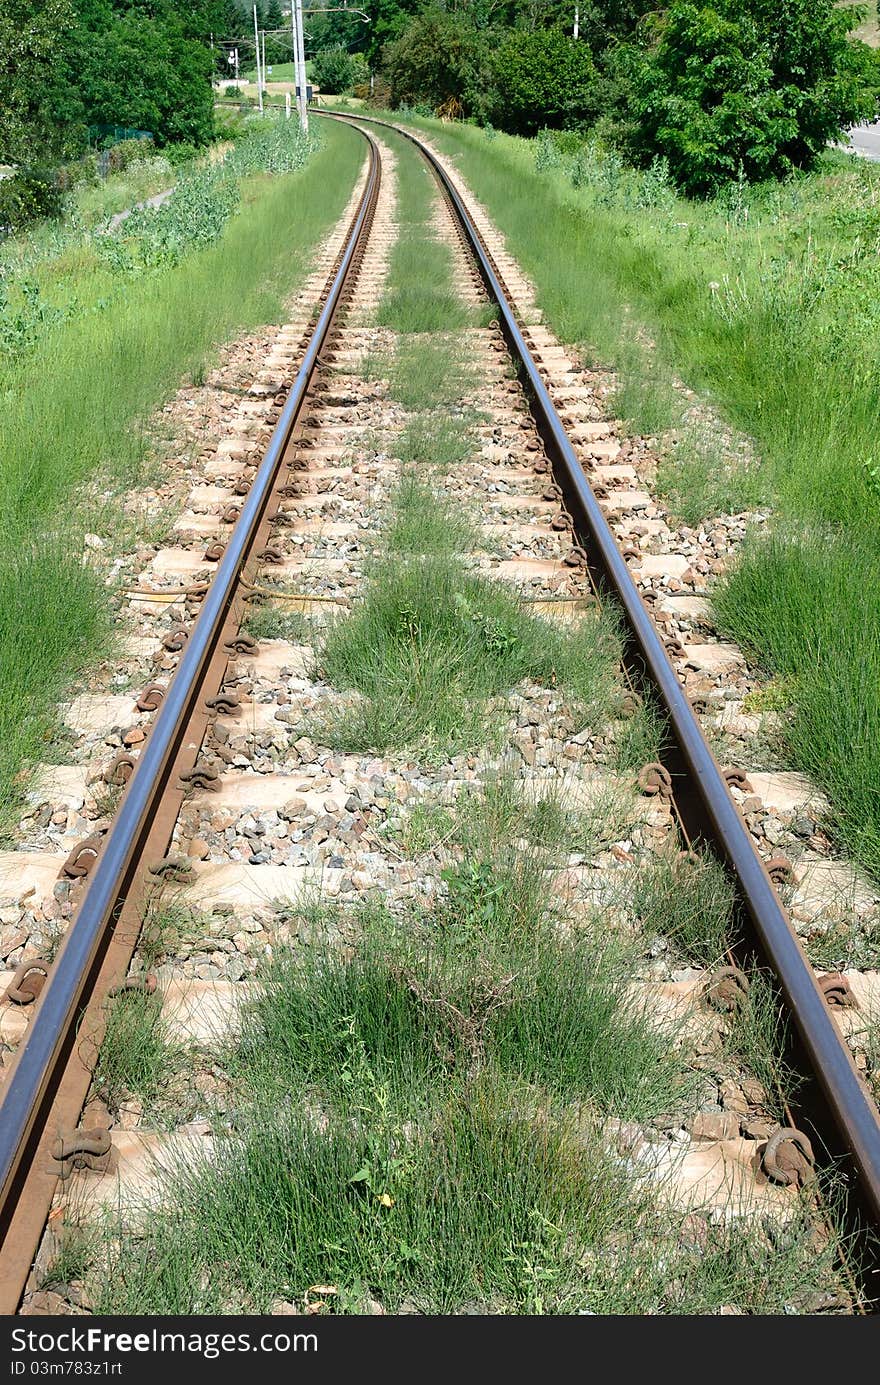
(865, 140)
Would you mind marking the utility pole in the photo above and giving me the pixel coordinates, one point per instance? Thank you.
(263, 37)
(257, 55)
(577, 22)
(299, 63)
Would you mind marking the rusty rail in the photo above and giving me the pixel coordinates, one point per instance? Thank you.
(29, 1112)
(703, 800)
(45, 1089)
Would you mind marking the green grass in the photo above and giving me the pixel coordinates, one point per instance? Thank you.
(281, 72)
(136, 1057)
(419, 295)
(429, 643)
(418, 1120)
(766, 301)
(689, 903)
(426, 374)
(424, 521)
(698, 479)
(270, 622)
(793, 604)
(436, 439)
(411, 1132)
(492, 1214)
(75, 413)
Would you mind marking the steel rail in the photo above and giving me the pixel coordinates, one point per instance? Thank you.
(60, 1006)
(706, 799)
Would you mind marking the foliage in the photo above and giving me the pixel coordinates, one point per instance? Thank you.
(435, 64)
(542, 79)
(144, 72)
(23, 322)
(30, 34)
(752, 85)
(335, 70)
(194, 216)
(203, 200)
(270, 146)
(30, 194)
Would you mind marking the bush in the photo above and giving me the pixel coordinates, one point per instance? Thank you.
(204, 199)
(71, 175)
(542, 78)
(746, 88)
(127, 152)
(29, 194)
(335, 70)
(436, 63)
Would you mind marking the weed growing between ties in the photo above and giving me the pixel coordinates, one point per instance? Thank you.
(687, 902)
(756, 1036)
(419, 295)
(429, 643)
(698, 479)
(412, 1134)
(424, 521)
(427, 374)
(791, 603)
(435, 439)
(168, 925)
(756, 298)
(496, 1213)
(273, 622)
(136, 1057)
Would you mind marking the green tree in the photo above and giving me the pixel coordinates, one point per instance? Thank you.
(436, 62)
(33, 35)
(335, 70)
(135, 70)
(746, 87)
(542, 78)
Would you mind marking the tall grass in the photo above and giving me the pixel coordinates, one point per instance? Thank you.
(75, 413)
(805, 602)
(765, 300)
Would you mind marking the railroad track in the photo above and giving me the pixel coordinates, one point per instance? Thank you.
(300, 512)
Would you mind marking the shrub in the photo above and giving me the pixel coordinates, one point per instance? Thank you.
(542, 78)
(29, 194)
(751, 88)
(127, 152)
(335, 70)
(435, 63)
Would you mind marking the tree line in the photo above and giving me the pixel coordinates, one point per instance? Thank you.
(719, 89)
(71, 66)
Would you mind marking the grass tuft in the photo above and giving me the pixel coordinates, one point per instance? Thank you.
(136, 1057)
(425, 521)
(430, 642)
